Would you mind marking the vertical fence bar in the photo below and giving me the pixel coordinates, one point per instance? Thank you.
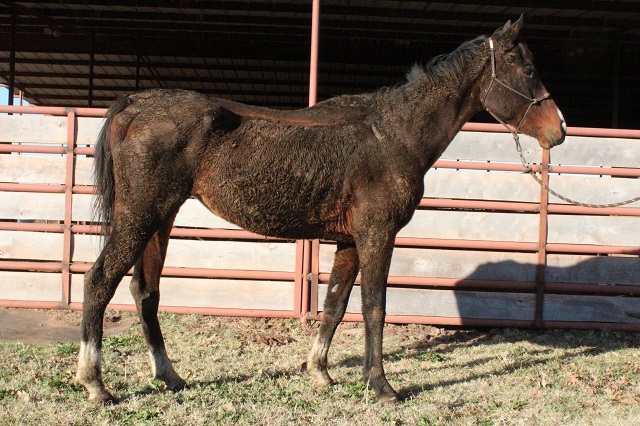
(298, 282)
(542, 241)
(68, 204)
(308, 253)
(315, 275)
(306, 275)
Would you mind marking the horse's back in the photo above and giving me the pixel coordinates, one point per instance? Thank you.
(291, 174)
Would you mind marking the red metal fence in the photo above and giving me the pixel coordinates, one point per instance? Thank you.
(487, 245)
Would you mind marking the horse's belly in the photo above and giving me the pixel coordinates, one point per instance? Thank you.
(275, 188)
(274, 216)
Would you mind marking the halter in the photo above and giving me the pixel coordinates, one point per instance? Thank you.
(526, 167)
(533, 101)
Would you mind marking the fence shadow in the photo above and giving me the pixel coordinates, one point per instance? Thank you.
(600, 290)
(615, 275)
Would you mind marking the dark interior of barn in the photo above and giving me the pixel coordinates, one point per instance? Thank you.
(89, 52)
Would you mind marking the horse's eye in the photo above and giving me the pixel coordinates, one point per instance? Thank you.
(528, 71)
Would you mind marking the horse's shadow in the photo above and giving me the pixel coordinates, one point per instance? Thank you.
(581, 343)
(212, 383)
(599, 271)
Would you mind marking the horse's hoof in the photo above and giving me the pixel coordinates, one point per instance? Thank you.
(323, 382)
(388, 398)
(321, 379)
(103, 398)
(177, 386)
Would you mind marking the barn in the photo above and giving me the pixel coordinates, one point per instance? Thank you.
(487, 246)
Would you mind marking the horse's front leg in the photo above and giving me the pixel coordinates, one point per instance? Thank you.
(375, 258)
(343, 274)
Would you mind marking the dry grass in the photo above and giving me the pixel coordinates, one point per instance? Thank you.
(247, 371)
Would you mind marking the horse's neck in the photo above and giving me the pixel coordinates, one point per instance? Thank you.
(432, 114)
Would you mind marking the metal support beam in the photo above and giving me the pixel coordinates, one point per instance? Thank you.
(138, 59)
(615, 106)
(91, 63)
(305, 245)
(313, 71)
(12, 56)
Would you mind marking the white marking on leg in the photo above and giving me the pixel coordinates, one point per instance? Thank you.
(162, 369)
(89, 372)
(89, 359)
(334, 288)
(320, 350)
(159, 363)
(317, 363)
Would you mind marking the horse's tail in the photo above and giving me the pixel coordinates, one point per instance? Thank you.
(103, 176)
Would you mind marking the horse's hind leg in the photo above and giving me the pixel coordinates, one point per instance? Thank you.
(133, 228)
(145, 288)
(100, 283)
(343, 275)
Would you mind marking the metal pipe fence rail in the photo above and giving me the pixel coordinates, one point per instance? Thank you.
(486, 247)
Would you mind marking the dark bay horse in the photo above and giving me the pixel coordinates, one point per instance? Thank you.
(350, 169)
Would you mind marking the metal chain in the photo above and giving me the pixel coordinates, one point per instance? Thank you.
(527, 169)
(526, 166)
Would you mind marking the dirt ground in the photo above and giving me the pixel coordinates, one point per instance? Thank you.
(37, 326)
(52, 326)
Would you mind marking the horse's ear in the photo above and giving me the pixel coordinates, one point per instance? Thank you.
(509, 32)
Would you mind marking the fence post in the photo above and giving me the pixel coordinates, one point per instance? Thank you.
(541, 266)
(68, 205)
(309, 255)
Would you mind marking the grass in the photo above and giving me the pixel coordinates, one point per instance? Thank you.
(247, 371)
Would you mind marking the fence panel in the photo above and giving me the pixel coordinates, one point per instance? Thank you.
(487, 246)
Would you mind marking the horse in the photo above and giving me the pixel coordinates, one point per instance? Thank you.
(349, 169)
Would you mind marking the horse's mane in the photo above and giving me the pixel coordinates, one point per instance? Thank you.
(454, 65)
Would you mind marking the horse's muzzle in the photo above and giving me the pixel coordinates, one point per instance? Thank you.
(554, 138)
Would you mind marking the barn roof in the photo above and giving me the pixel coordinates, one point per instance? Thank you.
(88, 52)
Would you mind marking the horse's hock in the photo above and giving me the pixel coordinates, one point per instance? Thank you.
(484, 248)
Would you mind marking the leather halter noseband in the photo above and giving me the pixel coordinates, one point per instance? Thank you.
(533, 101)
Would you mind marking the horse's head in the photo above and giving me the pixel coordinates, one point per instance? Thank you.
(513, 93)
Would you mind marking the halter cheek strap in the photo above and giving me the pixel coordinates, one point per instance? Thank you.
(526, 167)
(533, 101)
